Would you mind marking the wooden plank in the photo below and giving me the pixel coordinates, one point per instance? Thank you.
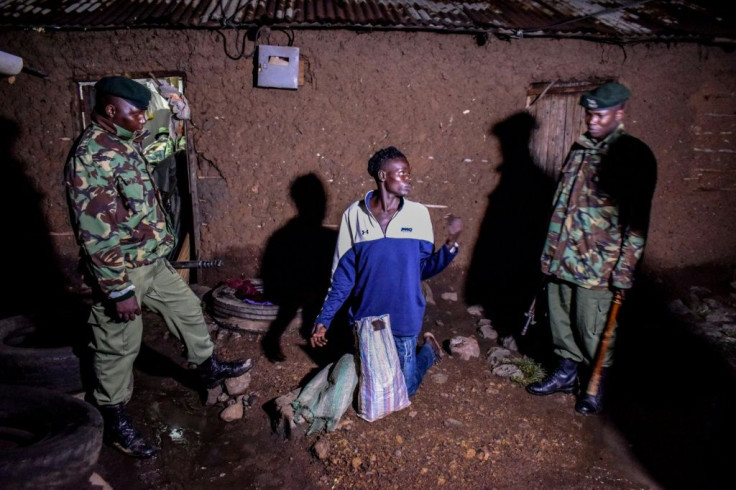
(571, 125)
(184, 252)
(574, 87)
(534, 138)
(557, 136)
(543, 133)
(548, 145)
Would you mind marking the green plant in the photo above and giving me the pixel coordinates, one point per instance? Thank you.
(531, 371)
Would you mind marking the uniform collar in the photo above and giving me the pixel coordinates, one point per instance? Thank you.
(106, 124)
(587, 142)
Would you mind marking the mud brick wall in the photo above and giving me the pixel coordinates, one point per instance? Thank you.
(436, 97)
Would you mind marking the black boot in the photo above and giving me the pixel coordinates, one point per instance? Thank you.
(212, 372)
(120, 433)
(562, 380)
(592, 404)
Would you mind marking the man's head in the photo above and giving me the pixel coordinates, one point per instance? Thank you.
(123, 101)
(604, 108)
(391, 170)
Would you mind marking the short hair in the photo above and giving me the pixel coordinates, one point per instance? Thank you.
(379, 158)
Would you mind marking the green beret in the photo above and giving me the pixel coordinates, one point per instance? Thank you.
(125, 88)
(605, 96)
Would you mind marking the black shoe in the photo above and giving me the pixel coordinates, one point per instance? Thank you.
(212, 371)
(592, 404)
(562, 380)
(120, 433)
(589, 405)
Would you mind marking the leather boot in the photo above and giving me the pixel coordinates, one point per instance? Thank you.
(561, 380)
(212, 372)
(592, 404)
(120, 433)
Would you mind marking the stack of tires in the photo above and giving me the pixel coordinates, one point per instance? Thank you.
(48, 438)
(232, 312)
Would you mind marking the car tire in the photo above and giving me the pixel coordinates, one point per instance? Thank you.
(226, 304)
(47, 439)
(24, 363)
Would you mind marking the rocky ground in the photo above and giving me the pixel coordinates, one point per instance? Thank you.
(668, 424)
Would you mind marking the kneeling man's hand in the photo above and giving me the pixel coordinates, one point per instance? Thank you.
(318, 336)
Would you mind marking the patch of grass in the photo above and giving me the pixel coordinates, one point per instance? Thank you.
(702, 311)
(531, 371)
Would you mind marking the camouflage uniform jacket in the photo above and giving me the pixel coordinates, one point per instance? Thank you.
(115, 209)
(601, 209)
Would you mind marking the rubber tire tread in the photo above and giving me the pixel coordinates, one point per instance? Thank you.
(226, 304)
(55, 368)
(246, 314)
(67, 437)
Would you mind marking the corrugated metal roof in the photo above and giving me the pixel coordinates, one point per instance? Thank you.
(707, 21)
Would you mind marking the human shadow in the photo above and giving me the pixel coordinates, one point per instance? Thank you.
(672, 393)
(504, 273)
(156, 364)
(296, 269)
(34, 282)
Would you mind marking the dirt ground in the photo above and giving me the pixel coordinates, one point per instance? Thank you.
(668, 423)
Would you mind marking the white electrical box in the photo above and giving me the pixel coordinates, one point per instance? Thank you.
(278, 67)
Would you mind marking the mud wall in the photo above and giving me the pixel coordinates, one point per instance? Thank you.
(434, 96)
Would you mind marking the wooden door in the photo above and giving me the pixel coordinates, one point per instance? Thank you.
(560, 120)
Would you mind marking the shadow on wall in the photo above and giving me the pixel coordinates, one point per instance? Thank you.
(297, 263)
(33, 280)
(672, 394)
(504, 271)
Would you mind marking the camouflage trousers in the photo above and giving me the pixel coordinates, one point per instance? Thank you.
(115, 345)
(577, 318)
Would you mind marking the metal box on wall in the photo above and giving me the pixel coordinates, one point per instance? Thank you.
(278, 67)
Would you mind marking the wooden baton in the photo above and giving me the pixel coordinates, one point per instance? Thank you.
(595, 377)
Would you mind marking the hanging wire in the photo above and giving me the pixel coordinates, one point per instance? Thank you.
(241, 35)
(240, 38)
(239, 51)
(286, 30)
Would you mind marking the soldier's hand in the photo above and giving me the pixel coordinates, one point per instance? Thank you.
(318, 336)
(618, 293)
(127, 309)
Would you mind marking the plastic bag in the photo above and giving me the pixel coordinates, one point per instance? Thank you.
(381, 387)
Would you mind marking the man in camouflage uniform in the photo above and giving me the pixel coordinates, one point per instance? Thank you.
(596, 237)
(125, 235)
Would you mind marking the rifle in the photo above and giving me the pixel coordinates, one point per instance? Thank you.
(530, 316)
(531, 312)
(197, 264)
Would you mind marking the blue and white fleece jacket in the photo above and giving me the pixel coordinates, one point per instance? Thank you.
(380, 273)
